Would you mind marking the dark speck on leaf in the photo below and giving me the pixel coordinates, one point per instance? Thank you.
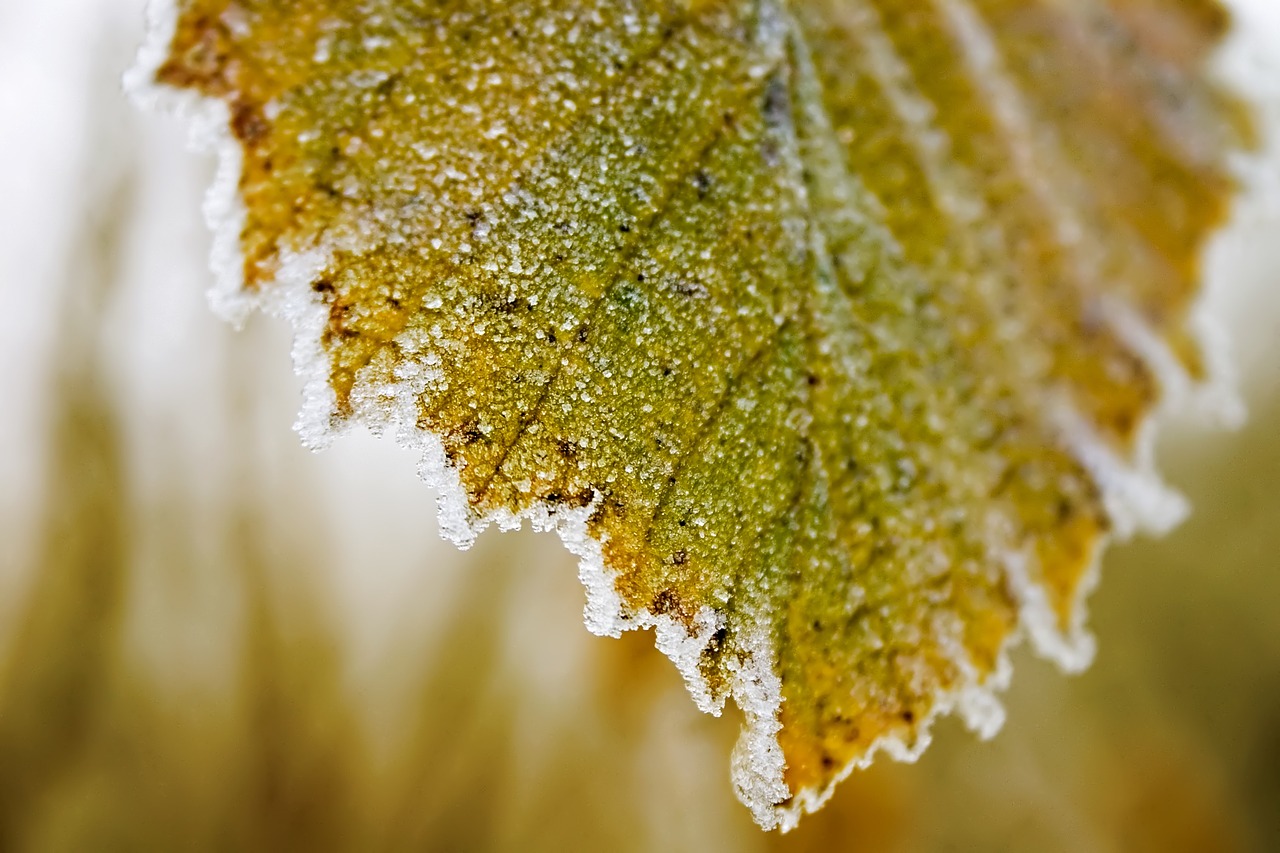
(248, 124)
(666, 601)
(702, 181)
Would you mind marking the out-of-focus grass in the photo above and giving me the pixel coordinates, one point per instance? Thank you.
(182, 664)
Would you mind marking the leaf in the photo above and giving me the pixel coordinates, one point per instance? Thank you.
(824, 331)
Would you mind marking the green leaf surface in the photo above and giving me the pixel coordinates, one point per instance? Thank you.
(824, 331)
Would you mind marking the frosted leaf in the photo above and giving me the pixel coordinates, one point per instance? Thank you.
(824, 332)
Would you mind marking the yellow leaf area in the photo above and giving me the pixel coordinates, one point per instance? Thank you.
(830, 321)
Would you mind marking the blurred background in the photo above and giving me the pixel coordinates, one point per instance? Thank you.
(211, 639)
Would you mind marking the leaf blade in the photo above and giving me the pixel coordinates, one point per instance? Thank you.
(815, 317)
